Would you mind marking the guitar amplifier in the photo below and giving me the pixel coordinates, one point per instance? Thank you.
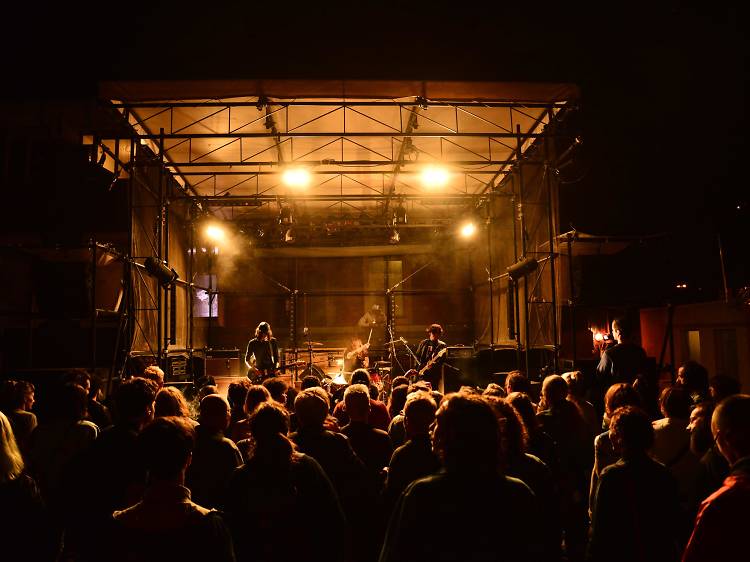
(460, 352)
(223, 363)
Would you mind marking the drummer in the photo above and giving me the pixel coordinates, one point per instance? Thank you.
(356, 355)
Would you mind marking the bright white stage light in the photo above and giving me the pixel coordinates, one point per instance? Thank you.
(435, 177)
(215, 232)
(468, 229)
(296, 177)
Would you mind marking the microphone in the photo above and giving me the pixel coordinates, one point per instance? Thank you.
(403, 340)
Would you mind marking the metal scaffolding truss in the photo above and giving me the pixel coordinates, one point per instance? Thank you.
(368, 151)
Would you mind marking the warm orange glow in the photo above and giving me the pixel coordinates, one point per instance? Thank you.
(435, 177)
(468, 229)
(296, 177)
(215, 232)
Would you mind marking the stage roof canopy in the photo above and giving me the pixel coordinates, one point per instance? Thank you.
(367, 145)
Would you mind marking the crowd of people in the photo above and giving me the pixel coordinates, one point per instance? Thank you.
(277, 473)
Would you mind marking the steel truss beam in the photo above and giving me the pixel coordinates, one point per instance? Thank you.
(313, 103)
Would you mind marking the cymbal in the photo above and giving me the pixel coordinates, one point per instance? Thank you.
(315, 343)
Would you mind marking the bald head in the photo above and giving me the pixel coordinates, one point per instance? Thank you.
(214, 412)
(730, 426)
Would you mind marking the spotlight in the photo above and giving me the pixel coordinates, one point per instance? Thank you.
(215, 232)
(296, 177)
(395, 237)
(160, 270)
(521, 268)
(468, 229)
(598, 336)
(435, 177)
(289, 236)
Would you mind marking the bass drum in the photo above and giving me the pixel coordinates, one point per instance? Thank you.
(313, 370)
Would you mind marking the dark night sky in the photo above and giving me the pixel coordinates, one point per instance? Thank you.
(663, 88)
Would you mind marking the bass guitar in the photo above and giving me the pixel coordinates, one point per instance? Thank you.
(431, 363)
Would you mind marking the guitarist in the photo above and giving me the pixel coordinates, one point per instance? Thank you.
(427, 352)
(262, 355)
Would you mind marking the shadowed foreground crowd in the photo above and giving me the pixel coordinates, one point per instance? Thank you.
(275, 474)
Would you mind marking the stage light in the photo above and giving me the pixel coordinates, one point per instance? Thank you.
(435, 177)
(160, 270)
(521, 268)
(599, 336)
(296, 177)
(395, 237)
(468, 229)
(215, 232)
(289, 236)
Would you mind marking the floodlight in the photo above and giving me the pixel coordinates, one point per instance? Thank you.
(160, 270)
(296, 177)
(468, 229)
(435, 176)
(215, 232)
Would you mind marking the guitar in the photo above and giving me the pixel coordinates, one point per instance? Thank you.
(432, 361)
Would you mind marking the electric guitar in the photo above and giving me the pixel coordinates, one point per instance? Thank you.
(432, 361)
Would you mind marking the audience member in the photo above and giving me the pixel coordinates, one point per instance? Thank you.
(720, 527)
(166, 524)
(424, 525)
(309, 381)
(494, 389)
(205, 390)
(110, 475)
(539, 443)
(532, 472)
(22, 419)
(254, 397)
(379, 416)
(693, 377)
(278, 487)
(562, 421)
(154, 373)
(635, 508)
(236, 393)
(713, 466)
(576, 394)
(672, 443)
(98, 412)
(415, 458)
(372, 445)
(605, 452)
(170, 402)
(516, 381)
(25, 532)
(53, 444)
(723, 386)
(396, 402)
(277, 388)
(215, 457)
(353, 482)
